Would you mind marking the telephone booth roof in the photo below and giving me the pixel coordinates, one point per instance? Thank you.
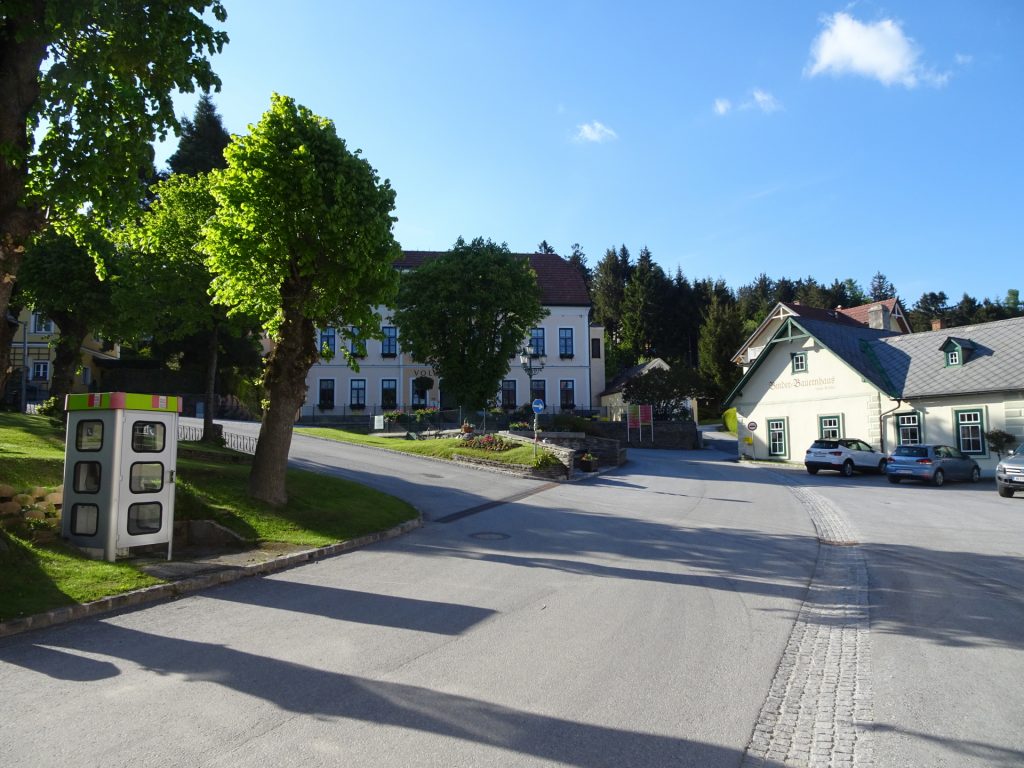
(122, 401)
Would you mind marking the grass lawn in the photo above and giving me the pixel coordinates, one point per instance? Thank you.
(211, 485)
(442, 448)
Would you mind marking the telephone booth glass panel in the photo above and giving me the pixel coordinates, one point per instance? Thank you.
(144, 518)
(148, 436)
(87, 476)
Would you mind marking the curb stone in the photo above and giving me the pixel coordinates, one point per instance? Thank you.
(175, 589)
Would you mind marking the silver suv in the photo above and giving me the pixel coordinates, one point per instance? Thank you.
(1010, 473)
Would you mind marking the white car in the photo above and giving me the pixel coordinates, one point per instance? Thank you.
(844, 454)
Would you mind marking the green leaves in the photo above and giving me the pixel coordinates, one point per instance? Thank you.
(466, 313)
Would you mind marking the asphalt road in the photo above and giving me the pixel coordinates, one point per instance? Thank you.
(637, 619)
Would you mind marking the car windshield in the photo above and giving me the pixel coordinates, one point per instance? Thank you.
(911, 450)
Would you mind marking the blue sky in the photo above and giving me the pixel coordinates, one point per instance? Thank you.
(794, 138)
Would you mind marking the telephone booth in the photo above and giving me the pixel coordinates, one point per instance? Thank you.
(119, 467)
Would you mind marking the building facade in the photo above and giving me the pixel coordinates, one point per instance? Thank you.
(817, 378)
(389, 379)
(32, 356)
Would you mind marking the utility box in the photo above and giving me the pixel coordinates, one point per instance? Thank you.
(119, 471)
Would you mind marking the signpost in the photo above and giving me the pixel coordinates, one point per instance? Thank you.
(538, 408)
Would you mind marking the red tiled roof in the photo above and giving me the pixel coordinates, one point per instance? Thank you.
(860, 314)
(561, 284)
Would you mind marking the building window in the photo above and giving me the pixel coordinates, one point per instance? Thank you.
(595, 349)
(952, 358)
(970, 431)
(799, 361)
(421, 387)
(356, 345)
(357, 393)
(389, 393)
(40, 370)
(565, 343)
(830, 427)
(40, 324)
(567, 394)
(326, 393)
(389, 346)
(537, 342)
(539, 390)
(908, 429)
(508, 394)
(86, 376)
(777, 437)
(328, 343)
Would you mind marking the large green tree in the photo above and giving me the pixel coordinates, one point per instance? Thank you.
(466, 313)
(162, 283)
(645, 303)
(301, 238)
(720, 337)
(58, 280)
(667, 391)
(202, 142)
(85, 88)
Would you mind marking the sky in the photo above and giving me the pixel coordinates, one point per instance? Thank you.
(794, 139)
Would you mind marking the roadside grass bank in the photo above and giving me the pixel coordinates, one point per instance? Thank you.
(38, 571)
(440, 448)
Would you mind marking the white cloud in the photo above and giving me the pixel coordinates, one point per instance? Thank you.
(877, 50)
(765, 101)
(722, 106)
(963, 59)
(595, 132)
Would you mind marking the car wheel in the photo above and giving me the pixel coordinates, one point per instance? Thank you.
(847, 469)
(938, 478)
(812, 470)
(881, 466)
(975, 475)
(894, 480)
(1006, 493)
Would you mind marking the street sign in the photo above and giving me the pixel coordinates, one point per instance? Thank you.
(752, 426)
(538, 406)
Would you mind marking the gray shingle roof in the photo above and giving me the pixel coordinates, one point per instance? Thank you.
(917, 366)
(854, 344)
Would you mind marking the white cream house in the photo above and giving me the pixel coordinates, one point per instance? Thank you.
(817, 378)
(388, 378)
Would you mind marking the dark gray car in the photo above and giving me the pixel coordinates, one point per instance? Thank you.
(931, 463)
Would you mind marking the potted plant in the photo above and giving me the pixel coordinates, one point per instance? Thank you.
(466, 427)
(587, 462)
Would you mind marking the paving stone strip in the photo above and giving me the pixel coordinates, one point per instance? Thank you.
(819, 708)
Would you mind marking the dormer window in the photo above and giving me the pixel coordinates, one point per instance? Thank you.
(957, 351)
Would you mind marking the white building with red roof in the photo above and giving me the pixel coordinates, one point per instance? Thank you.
(389, 379)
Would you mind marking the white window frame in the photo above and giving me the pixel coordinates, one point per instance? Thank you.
(964, 418)
(42, 366)
(776, 427)
(905, 423)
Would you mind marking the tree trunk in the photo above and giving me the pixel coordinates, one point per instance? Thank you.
(285, 381)
(67, 356)
(21, 54)
(212, 352)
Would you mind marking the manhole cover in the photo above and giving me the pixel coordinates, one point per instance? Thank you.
(489, 536)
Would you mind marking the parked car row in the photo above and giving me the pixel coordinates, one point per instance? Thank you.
(929, 463)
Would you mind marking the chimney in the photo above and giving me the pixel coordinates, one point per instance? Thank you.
(938, 323)
(878, 317)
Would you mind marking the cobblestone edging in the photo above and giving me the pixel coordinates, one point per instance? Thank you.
(178, 588)
(819, 709)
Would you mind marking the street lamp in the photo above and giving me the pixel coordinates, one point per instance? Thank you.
(532, 364)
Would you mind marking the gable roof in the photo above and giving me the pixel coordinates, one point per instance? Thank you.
(628, 374)
(561, 284)
(917, 366)
(782, 310)
(893, 306)
(907, 366)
